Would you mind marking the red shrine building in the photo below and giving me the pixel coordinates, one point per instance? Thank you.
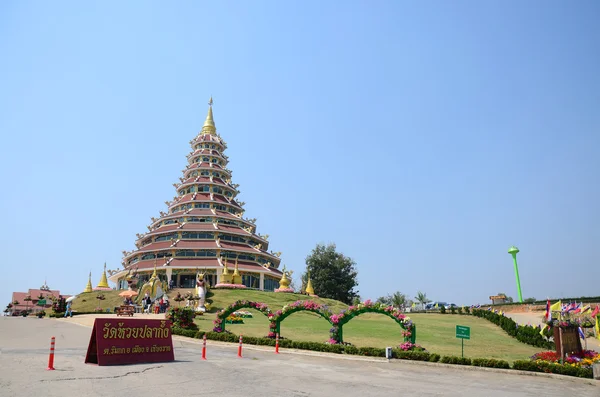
(203, 229)
(34, 300)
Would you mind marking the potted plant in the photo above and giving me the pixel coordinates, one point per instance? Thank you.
(41, 314)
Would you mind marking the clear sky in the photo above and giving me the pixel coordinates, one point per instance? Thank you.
(423, 138)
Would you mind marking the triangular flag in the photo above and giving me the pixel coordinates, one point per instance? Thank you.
(556, 307)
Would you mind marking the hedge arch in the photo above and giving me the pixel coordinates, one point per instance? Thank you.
(409, 330)
(298, 306)
(219, 322)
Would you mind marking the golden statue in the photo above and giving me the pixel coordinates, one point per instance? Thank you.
(154, 287)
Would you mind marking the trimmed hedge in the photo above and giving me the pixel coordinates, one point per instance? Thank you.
(455, 360)
(490, 363)
(553, 368)
(523, 333)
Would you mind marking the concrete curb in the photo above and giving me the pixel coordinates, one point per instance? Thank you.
(193, 341)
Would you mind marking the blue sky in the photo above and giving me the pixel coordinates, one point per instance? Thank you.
(423, 139)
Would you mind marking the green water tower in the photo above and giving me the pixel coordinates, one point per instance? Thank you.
(514, 251)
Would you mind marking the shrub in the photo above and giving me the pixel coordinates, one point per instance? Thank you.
(434, 357)
(523, 333)
(455, 360)
(442, 309)
(490, 363)
(467, 310)
(411, 355)
(460, 311)
(452, 310)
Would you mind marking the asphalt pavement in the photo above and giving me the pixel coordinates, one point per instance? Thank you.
(25, 342)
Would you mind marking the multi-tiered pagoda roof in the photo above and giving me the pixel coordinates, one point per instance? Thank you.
(204, 228)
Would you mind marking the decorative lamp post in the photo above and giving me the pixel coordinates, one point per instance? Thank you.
(514, 251)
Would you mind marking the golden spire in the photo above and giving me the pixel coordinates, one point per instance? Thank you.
(154, 275)
(209, 123)
(225, 270)
(237, 278)
(235, 270)
(284, 283)
(309, 288)
(103, 281)
(88, 287)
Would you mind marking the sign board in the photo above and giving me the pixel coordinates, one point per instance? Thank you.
(463, 332)
(571, 343)
(116, 341)
(41, 302)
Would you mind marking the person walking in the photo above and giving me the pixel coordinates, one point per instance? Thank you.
(147, 304)
(68, 311)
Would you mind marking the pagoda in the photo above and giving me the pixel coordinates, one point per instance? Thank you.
(204, 229)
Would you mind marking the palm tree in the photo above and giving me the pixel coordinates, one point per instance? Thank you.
(398, 299)
(422, 298)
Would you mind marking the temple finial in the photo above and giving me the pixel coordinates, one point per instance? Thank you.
(88, 287)
(209, 123)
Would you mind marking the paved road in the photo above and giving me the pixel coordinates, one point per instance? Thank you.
(24, 344)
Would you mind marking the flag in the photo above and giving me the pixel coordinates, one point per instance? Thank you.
(436, 305)
(557, 307)
(597, 324)
(581, 334)
(543, 329)
(414, 305)
(586, 309)
(478, 306)
(489, 309)
(575, 307)
(595, 312)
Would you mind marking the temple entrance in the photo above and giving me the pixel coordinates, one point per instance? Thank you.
(187, 281)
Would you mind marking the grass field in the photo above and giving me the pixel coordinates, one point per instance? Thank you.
(435, 332)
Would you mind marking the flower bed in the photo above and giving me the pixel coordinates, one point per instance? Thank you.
(243, 314)
(219, 322)
(288, 290)
(182, 317)
(233, 319)
(229, 286)
(585, 359)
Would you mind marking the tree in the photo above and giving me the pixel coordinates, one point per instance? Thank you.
(386, 300)
(398, 299)
(422, 298)
(508, 298)
(529, 300)
(332, 274)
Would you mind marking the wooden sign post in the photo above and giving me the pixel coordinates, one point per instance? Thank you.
(566, 341)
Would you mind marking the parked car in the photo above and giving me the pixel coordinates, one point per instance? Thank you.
(432, 305)
(451, 305)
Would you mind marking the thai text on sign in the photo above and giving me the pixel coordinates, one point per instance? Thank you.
(130, 341)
